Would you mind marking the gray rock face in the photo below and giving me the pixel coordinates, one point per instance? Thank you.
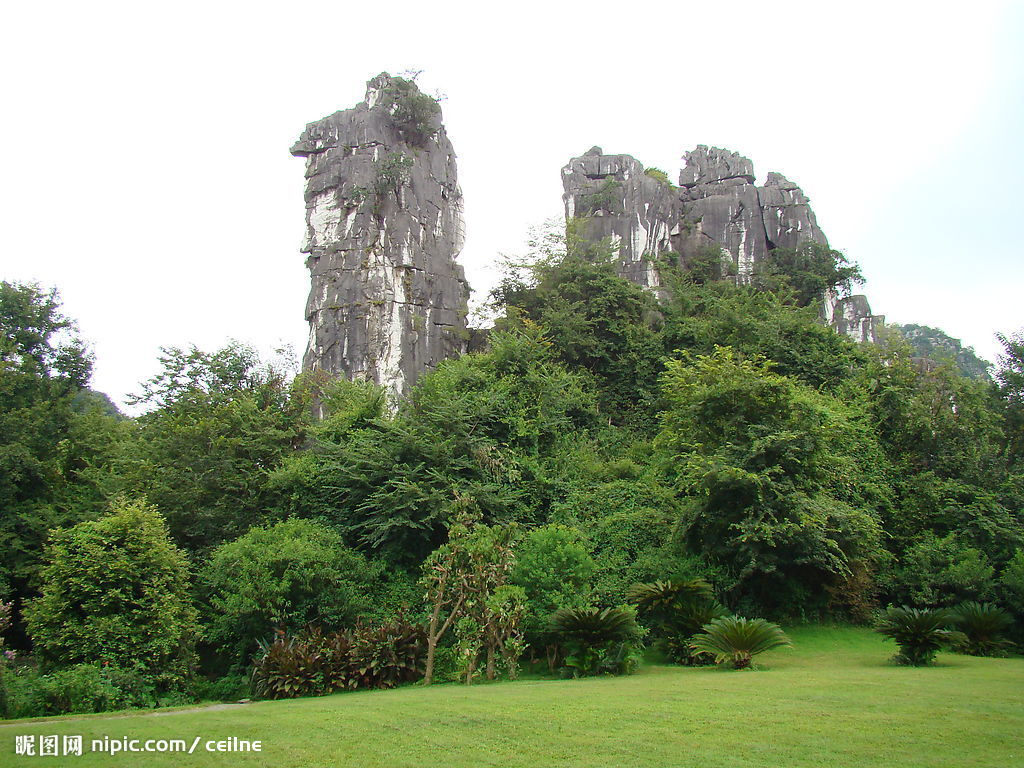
(717, 205)
(611, 198)
(383, 228)
(852, 316)
(788, 218)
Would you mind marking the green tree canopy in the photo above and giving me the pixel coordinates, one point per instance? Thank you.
(116, 590)
(285, 576)
(43, 369)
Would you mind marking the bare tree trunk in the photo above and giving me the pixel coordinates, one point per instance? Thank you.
(428, 673)
(490, 661)
(434, 634)
(552, 654)
(432, 638)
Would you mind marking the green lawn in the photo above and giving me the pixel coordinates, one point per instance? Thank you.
(833, 700)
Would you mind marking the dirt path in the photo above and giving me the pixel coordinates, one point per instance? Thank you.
(134, 713)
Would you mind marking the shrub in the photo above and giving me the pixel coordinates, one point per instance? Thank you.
(944, 571)
(389, 654)
(1011, 582)
(414, 114)
(80, 688)
(606, 197)
(678, 609)
(555, 571)
(289, 575)
(919, 633)
(597, 640)
(658, 174)
(983, 625)
(312, 663)
(290, 666)
(227, 688)
(115, 591)
(133, 688)
(735, 639)
(5, 624)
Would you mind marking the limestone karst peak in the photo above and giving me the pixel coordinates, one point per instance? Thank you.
(716, 205)
(384, 226)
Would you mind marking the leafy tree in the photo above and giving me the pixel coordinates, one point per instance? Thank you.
(952, 473)
(940, 572)
(594, 320)
(461, 580)
(490, 613)
(116, 590)
(219, 424)
(1010, 373)
(482, 429)
(503, 635)
(701, 314)
(285, 576)
(555, 570)
(43, 368)
(809, 270)
(1010, 377)
(763, 460)
(1011, 587)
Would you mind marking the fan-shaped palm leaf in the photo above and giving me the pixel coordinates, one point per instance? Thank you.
(735, 639)
(919, 633)
(983, 624)
(593, 625)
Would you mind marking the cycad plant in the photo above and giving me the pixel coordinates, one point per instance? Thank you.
(919, 633)
(661, 601)
(983, 625)
(738, 640)
(678, 610)
(596, 640)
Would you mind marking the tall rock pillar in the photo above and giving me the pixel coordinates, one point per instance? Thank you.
(383, 229)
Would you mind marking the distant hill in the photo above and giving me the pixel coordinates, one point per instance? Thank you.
(938, 345)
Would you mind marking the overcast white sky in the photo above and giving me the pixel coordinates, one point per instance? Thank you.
(144, 166)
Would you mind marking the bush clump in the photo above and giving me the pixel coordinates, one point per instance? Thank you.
(313, 663)
(597, 641)
(115, 592)
(737, 640)
(983, 626)
(919, 633)
(414, 113)
(678, 610)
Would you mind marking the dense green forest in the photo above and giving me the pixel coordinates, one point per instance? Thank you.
(714, 435)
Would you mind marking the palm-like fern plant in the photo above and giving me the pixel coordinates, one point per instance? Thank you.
(678, 609)
(919, 633)
(738, 640)
(983, 624)
(662, 600)
(593, 636)
(593, 625)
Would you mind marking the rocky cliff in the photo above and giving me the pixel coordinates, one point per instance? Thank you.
(383, 229)
(716, 204)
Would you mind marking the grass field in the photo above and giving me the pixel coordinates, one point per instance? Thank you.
(833, 700)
